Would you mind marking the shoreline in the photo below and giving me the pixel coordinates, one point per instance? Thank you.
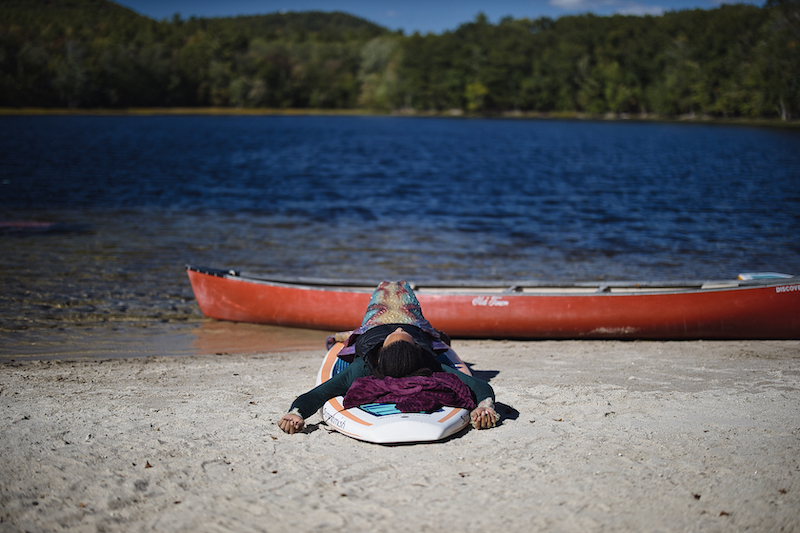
(201, 337)
(597, 435)
(456, 113)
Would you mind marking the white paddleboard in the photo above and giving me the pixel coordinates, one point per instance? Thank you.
(383, 423)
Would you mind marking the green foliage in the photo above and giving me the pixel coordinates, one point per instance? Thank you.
(737, 60)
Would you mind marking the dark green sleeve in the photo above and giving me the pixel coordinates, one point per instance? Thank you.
(479, 388)
(338, 385)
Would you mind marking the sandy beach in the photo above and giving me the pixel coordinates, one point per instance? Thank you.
(596, 436)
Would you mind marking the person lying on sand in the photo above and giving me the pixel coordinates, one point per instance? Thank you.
(394, 341)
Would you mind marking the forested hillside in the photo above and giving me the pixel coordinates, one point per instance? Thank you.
(736, 60)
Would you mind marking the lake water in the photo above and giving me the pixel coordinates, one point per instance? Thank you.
(134, 198)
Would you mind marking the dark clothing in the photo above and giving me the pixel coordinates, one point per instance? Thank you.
(370, 342)
(338, 385)
(374, 337)
(364, 360)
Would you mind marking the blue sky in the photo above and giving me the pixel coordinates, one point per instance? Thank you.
(424, 16)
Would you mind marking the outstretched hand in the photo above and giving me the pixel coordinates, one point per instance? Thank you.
(483, 418)
(291, 423)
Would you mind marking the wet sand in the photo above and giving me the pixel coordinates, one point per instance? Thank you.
(597, 436)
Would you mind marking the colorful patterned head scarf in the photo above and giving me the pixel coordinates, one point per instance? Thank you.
(393, 302)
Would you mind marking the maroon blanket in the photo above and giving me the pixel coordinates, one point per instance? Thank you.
(412, 394)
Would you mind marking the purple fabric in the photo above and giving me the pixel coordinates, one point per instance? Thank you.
(411, 394)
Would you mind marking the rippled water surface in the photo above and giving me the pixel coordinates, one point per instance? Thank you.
(133, 199)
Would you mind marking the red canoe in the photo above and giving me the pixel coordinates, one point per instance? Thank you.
(735, 309)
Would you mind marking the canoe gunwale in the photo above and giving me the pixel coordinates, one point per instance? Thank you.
(516, 288)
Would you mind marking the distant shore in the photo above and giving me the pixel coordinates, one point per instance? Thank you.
(451, 113)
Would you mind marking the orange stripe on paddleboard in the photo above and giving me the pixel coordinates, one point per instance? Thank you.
(330, 360)
(342, 411)
(450, 415)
